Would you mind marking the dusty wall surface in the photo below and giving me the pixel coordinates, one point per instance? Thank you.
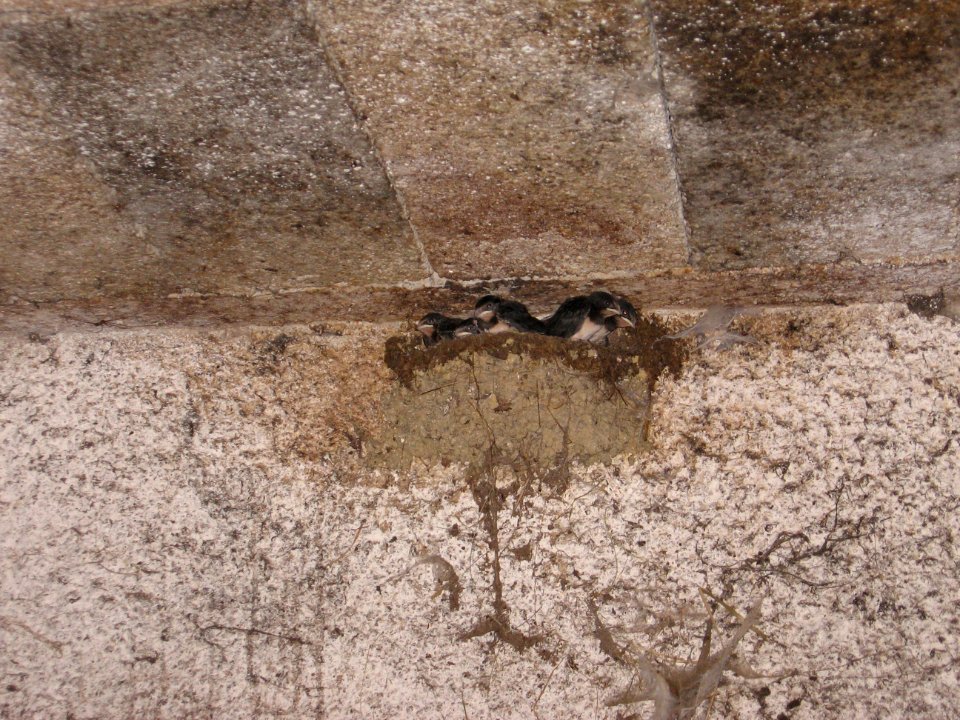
(187, 531)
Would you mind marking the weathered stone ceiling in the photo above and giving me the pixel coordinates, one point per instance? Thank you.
(225, 161)
(199, 148)
(811, 131)
(527, 138)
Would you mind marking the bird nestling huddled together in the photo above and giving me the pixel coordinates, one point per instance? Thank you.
(585, 317)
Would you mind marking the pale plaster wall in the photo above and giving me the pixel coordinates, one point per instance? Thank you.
(187, 533)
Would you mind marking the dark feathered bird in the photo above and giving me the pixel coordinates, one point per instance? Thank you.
(627, 311)
(506, 316)
(436, 327)
(626, 318)
(470, 326)
(584, 317)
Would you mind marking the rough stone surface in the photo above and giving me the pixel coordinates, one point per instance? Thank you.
(836, 283)
(815, 131)
(527, 139)
(143, 548)
(202, 148)
(186, 532)
(163, 533)
(37, 8)
(208, 162)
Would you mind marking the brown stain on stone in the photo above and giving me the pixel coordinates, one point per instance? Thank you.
(487, 224)
(802, 51)
(310, 392)
(504, 211)
(228, 146)
(810, 131)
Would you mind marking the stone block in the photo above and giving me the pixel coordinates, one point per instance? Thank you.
(200, 148)
(527, 139)
(814, 132)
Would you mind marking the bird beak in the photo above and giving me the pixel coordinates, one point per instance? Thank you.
(485, 315)
(624, 321)
(610, 312)
(426, 330)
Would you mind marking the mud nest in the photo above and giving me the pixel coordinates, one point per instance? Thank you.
(644, 346)
(530, 402)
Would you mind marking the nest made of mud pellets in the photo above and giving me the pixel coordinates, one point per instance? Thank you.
(527, 401)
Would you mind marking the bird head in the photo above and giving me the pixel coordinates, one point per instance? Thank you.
(604, 304)
(628, 313)
(428, 324)
(470, 326)
(486, 307)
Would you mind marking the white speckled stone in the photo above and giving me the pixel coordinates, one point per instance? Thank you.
(184, 532)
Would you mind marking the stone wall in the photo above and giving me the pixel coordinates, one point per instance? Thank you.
(189, 530)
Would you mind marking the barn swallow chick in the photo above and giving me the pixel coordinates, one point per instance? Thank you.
(628, 313)
(486, 307)
(584, 317)
(506, 316)
(627, 318)
(436, 327)
(469, 327)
